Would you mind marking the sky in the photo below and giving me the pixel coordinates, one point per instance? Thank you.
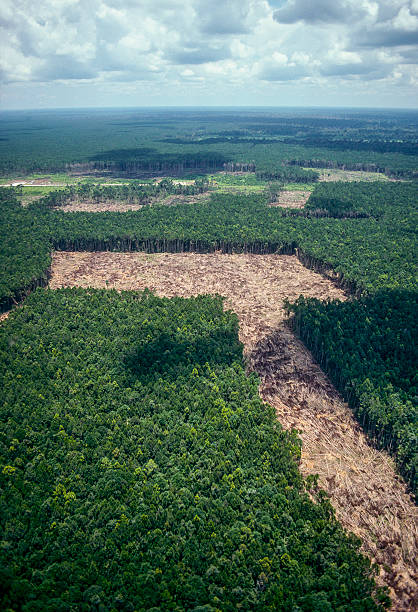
(116, 53)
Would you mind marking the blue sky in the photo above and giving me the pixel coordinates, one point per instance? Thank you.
(72, 53)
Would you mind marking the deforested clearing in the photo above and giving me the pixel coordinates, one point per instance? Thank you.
(337, 174)
(89, 205)
(369, 498)
(93, 206)
(292, 199)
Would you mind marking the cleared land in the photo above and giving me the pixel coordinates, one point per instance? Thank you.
(369, 498)
(292, 199)
(93, 206)
(335, 174)
(123, 206)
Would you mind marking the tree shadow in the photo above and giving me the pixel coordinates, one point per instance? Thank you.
(170, 355)
(146, 159)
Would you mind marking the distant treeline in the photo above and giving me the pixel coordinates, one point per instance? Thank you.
(347, 165)
(380, 146)
(175, 142)
(217, 139)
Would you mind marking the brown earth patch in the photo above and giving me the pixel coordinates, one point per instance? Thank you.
(369, 498)
(292, 199)
(93, 206)
(123, 206)
(337, 175)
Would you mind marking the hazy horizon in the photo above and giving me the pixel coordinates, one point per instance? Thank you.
(214, 107)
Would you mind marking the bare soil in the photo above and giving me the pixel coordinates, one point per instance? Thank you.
(369, 498)
(336, 175)
(93, 206)
(26, 200)
(123, 206)
(292, 199)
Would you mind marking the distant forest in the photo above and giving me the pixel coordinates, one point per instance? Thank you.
(143, 142)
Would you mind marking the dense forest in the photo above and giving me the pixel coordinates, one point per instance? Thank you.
(138, 464)
(155, 483)
(368, 348)
(362, 255)
(142, 142)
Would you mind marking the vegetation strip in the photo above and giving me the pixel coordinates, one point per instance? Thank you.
(364, 254)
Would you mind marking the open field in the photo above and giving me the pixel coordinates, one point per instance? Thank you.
(369, 498)
(293, 195)
(292, 199)
(120, 206)
(335, 174)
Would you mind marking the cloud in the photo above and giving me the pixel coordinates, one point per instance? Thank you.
(234, 45)
(386, 38)
(199, 55)
(409, 55)
(320, 11)
(63, 67)
(371, 71)
(280, 68)
(367, 66)
(396, 27)
(228, 17)
(399, 28)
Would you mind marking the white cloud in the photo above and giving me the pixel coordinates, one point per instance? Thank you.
(324, 11)
(244, 44)
(404, 20)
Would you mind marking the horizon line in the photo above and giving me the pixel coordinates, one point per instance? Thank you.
(209, 107)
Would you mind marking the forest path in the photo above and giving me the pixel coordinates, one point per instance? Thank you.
(369, 498)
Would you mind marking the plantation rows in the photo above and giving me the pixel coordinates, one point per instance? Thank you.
(288, 174)
(140, 470)
(25, 250)
(362, 255)
(368, 347)
(376, 199)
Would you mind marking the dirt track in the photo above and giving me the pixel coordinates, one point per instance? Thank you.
(369, 498)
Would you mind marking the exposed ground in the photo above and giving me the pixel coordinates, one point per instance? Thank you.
(123, 206)
(335, 174)
(292, 199)
(93, 206)
(369, 498)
